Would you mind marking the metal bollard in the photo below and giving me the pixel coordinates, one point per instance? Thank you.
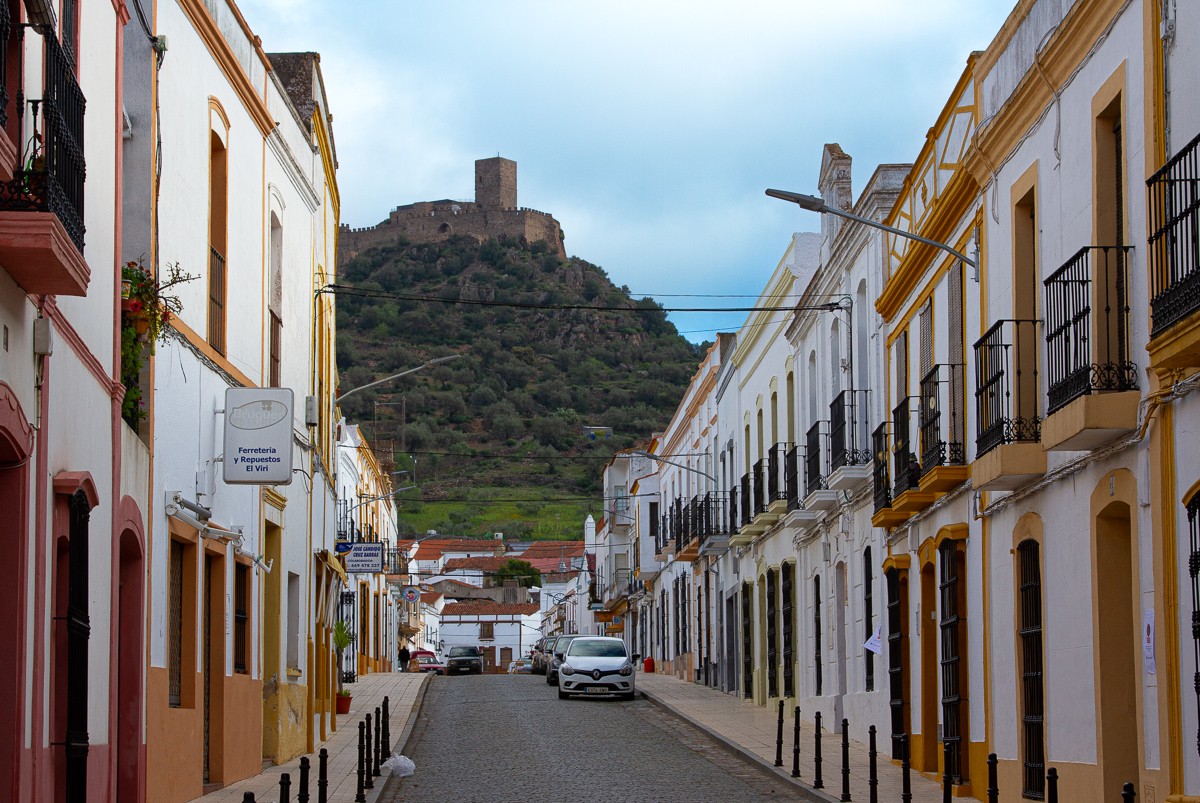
(359, 797)
(845, 760)
(796, 745)
(905, 771)
(779, 738)
(1127, 793)
(368, 781)
(387, 730)
(817, 757)
(377, 745)
(947, 789)
(873, 776)
(248, 797)
(1052, 785)
(993, 791)
(285, 788)
(302, 795)
(323, 776)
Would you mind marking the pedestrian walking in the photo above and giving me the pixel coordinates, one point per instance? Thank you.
(404, 656)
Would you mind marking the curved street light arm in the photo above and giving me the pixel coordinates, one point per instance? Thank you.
(343, 396)
(657, 459)
(815, 204)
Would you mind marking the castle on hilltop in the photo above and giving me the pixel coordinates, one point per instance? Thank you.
(493, 213)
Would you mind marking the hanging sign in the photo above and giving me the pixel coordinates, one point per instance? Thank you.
(258, 436)
(411, 593)
(365, 557)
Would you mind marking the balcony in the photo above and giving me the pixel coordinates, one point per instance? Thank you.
(907, 496)
(1008, 444)
(748, 527)
(41, 205)
(884, 515)
(817, 495)
(1093, 396)
(395, 561)
(713, 525)
(664, 542)
(777, 491)
(689, 538)
(943, 455)
(849, 452)
(1174, 257)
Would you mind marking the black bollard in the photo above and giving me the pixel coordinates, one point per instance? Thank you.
(377, 745)
(285, 788)
(905, 771)
(796, 745)
(1052, 785)
(993, 791)
(302, 795)
(323, 776)
(845, 760)
(359, 797)
(779, 738)
(817, 757)
(873, 777)
(947, 789)
(248, 797)
(1127, 793)
(387, 730)
(368, 781)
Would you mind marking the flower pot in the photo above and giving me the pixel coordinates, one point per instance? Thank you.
(141, 324)
(126, 288)
(343, 703)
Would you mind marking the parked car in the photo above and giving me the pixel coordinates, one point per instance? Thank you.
(539, 655)
(554, 657)
(596, 665)
(428, 662)
(521, 666)
(464, 659)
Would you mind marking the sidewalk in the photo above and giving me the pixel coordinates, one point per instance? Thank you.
(403, 690)
(751, 730)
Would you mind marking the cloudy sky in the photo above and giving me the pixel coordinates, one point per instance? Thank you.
(648, 128)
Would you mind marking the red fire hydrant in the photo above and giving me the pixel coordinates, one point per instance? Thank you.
(648, 665)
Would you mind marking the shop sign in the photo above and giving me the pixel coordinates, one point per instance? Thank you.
(365, 557)
(258, 436)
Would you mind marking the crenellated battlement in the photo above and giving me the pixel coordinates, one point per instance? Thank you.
(494, 213)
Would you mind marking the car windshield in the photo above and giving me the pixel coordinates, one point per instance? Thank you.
(463, 652)
(427, 659)
(598, 649)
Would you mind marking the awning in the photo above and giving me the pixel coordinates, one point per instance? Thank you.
(333, 563)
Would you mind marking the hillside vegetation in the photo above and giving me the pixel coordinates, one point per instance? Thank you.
(503, 438)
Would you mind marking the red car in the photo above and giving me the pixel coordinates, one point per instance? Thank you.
(428, 662)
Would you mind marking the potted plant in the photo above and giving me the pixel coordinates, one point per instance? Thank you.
(342, 638)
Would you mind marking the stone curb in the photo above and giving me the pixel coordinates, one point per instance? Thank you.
(400, 744)
(751, 758)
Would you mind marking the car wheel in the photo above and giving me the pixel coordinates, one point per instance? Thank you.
(549, 680)
(562, 695)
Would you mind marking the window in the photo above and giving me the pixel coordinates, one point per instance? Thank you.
(1193, 510)
(276, 351)
(772, 638)
(487, 631)
(1032, 708)
(747, 640)
(293, 621)
(869, 615)
(241, 600)
(954, 638)
(789, 627)
(175, 626)
(217, 206)
(897, 639)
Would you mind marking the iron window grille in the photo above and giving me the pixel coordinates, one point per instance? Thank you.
(786, 573)
(175, 628)
(1032, 689)
(897, 644)
(868, 616)
(241, 597)
(904, 459)
(953, 636)
(747, 641)
(1006, 376)
(941, 417)
(1175, 238)
(1088, 350)
(817, 632)
(216, 300)
(1193, 510)
(78, 633)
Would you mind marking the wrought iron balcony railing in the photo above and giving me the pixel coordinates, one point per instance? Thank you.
(50, 176)
(759, 472)
(905, 467)
(746, 506)
(776, 463)
(815, 467)
(879, 468)
(395, 561)
(1087, 352)
(942, 417)
(1175, 238)
(1006, 392)
(732, 511)
(791, 473)
(847, 430)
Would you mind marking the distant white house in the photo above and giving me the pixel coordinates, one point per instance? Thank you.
(502, 631)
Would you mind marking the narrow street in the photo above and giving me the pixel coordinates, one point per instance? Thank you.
(509, 737)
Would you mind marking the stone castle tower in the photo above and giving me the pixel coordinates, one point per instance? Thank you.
(493, 213)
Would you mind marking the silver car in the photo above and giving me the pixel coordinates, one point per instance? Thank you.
(554, 658)
(596, 665)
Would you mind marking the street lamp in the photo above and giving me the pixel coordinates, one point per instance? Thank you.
(436, 361)
(657, 459)
(815, 204)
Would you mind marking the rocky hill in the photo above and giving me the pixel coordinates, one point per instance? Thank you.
(559, 369)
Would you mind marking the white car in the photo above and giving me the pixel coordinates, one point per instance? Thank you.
(596, 665)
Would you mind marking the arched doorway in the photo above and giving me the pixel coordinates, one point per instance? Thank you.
(129, 660)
